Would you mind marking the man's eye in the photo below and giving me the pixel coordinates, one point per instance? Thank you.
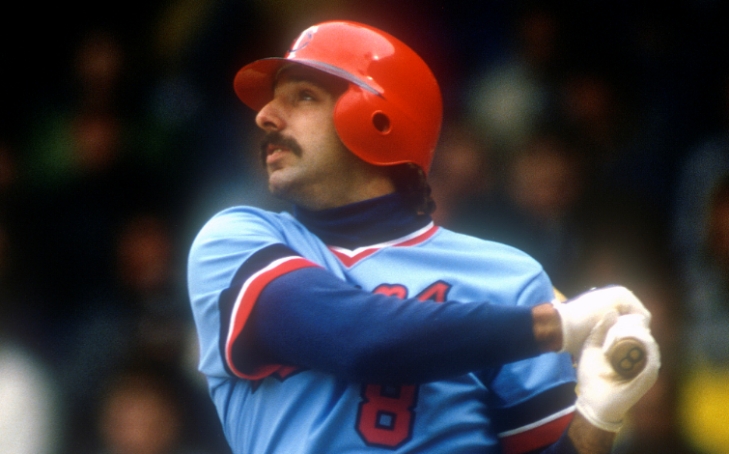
(306, 95)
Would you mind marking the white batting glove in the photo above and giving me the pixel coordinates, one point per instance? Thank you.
(603, 396)
(580, 314)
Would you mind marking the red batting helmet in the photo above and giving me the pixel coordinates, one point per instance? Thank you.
(390, 114)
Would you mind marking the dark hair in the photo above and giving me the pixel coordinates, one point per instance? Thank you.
(411, 182)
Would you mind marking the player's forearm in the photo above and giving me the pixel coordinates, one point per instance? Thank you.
(307, 319)
(547, 327)
(588, 439)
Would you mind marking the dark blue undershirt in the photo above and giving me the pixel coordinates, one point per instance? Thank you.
(364, 223)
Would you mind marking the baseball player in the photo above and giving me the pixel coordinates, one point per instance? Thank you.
(355, 324)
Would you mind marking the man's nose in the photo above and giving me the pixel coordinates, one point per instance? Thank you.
(269, 118)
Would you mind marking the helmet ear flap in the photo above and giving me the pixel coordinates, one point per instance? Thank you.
(377, 131)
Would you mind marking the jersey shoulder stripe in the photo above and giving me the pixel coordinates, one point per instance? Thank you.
(538, 421)
(350, 257)
(515, 417)
(242, 306)
(537, 435)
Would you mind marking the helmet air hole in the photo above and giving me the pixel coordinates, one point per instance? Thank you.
(381, 122)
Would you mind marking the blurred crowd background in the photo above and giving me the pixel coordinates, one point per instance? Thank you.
(593, 135)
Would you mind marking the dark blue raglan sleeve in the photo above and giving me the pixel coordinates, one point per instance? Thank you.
(309, 318)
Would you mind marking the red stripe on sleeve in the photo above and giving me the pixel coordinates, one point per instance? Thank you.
(536, 437)
(247, 298)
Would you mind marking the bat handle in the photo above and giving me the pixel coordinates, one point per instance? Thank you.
(628, 357)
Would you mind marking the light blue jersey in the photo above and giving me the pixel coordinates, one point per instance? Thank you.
(284, 408)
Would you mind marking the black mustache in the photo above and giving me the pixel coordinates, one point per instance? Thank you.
(275, 138)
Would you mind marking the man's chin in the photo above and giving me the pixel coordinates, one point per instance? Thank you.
(279, 185)
(291, 192)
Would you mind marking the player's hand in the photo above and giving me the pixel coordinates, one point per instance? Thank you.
(580, 314)
(603, 396)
